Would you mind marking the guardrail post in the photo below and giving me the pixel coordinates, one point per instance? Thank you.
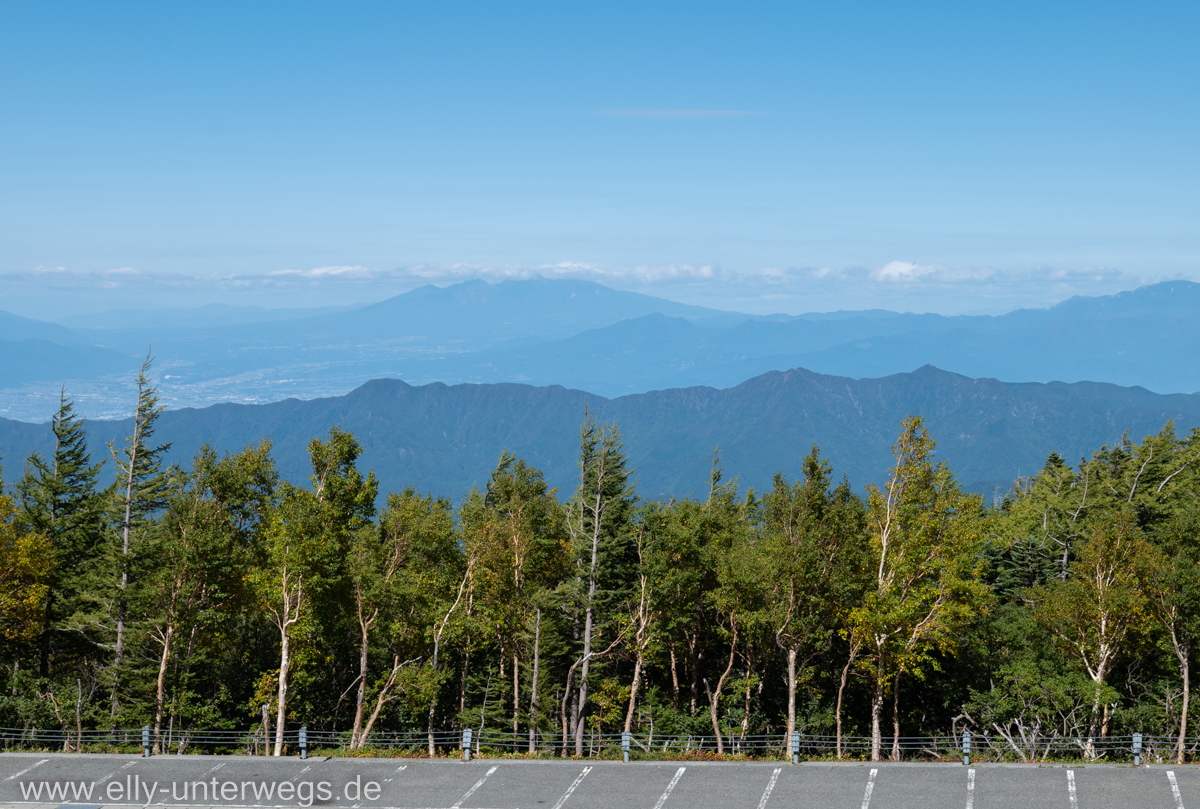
(1137, 749)
(466, 743)
(146, 741)
(625, 739)
(795, 747)
(966, 747)
(266, 723)
(303, 742)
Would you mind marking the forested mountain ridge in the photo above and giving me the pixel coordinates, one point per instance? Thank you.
(586, 336)
(446, 439)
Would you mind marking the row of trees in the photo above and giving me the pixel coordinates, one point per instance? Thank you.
(193, 597)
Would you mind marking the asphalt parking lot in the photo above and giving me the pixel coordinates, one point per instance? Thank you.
(32, 781)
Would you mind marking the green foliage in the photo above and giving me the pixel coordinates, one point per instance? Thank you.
(925, 538)
(1070, 608)
(26, 562)
(58, 500)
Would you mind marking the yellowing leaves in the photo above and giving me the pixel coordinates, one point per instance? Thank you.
(26, 560)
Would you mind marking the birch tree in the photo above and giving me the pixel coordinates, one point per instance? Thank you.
(523, 550)
(212, 517)
(397, 571)
(815, 547)
(140, 491)
(1099, 606)
(597, 522)
(307, 540)
(294, 559)
(737, 601)
(924, 537)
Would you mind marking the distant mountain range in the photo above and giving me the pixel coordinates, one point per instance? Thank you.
(579, 335)
(446, 439)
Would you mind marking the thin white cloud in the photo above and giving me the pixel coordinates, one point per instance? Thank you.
(341, 272)
(640, 274)
(898, 284)
(907, 272)
(903, 271)
(115, 278)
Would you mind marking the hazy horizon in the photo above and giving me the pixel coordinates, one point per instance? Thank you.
(193, 294)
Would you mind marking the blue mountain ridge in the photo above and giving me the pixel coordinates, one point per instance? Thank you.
(583, 335)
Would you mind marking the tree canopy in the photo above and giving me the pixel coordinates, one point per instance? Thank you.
(217, 595)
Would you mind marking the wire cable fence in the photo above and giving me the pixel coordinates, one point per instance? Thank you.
(991, 747)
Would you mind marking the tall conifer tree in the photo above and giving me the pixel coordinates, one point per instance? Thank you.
(58, 500)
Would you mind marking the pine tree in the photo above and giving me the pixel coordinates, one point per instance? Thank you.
(58, 500)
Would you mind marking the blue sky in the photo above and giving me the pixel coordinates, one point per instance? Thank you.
(761, 156)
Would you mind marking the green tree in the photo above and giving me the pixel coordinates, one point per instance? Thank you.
(523, 552)
(1174, 590)
(647, 604)
(815, 545)
(296, 555)
(1173, 587)
(432, 579)
(307, 539)
(683, 574)
(58, 500)
(1096, 609)
(399, 572)
(26, 564)
(213, 516)
(598, 523)
(1043, 519)
(924, 539)
(141, 490)
(737, 600)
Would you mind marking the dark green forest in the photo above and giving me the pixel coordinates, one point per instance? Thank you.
(217, 596)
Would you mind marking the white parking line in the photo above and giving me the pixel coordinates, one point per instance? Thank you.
(207, 772)
(114, 772)
(1175, 789)
(970, 787)
(670, 786)
(1071, 788)
(16, 775)
(571, 788)
(770, 785)
(471, 791)
(870, 788)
